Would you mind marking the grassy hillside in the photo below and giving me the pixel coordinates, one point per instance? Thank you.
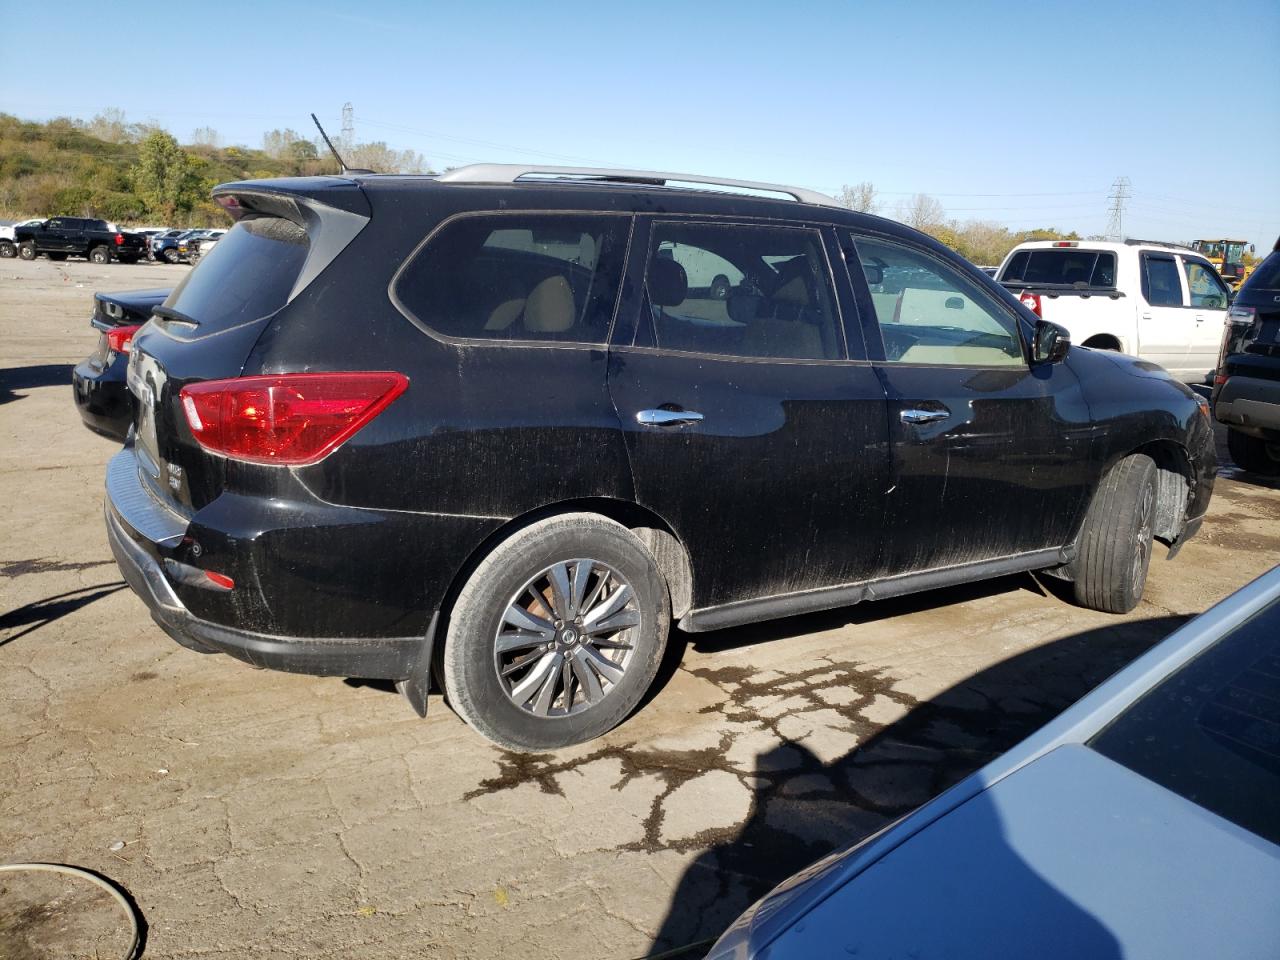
(61, 168)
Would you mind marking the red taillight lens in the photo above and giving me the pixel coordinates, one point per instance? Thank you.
(1032, 302)
(291, 419)
(119, 239)
(119, 338)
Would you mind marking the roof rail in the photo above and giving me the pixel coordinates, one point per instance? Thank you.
(511, 172)
(1133, 242)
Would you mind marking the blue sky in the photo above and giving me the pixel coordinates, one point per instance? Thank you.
(1023, 113)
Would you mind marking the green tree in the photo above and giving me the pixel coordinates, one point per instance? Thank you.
(166, 177)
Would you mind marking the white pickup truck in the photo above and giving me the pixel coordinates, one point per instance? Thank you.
(1159, 302)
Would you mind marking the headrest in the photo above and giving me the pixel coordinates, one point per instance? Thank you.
(668, 283)
(743, 307)
(549, 308)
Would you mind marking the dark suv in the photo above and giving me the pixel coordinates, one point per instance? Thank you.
(1246, 389)
(484, 425)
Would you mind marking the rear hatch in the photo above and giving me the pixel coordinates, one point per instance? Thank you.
(113, 311)
(208, 326)
(1254, 319)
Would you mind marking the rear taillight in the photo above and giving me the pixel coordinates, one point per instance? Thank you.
(119, 239)
(119, 338)
(1032, 302)
(292, 419)
(1239, 323)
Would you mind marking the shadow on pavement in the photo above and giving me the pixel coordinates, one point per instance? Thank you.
(43, 612)
(803, 808)
(28, 378)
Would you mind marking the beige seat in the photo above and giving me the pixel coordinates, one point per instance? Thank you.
(549, 308)
(958, 355)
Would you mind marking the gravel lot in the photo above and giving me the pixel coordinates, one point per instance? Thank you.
(267, 815)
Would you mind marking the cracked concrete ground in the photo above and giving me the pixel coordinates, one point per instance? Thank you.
(275, 816)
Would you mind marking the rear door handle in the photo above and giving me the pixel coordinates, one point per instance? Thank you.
(916, 415)
(667, 418)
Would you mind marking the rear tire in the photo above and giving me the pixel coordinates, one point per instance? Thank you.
(170, 255)
(1253, 453)
(1114, 551)
(100, 254)
(27, 251)
(550, 693)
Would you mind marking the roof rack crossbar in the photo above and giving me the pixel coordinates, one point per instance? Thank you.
(511, 172)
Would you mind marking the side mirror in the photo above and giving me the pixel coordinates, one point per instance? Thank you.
(1051, 343)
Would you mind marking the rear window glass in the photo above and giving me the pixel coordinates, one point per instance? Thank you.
(247, 275)
(1211, 732)
(1266, 276)
(1068, 267)
(526, 276)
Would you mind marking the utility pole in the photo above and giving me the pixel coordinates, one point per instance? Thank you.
(348, 126)
(1119, 194)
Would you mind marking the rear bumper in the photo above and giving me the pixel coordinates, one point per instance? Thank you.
(103, 399)
(1249, 402)
(144, 536)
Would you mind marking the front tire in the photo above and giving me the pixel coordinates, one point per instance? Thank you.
(7, 250)
(1114, 552)
(1253, 453)
(170, 255)
(557, 634)
(100, 255)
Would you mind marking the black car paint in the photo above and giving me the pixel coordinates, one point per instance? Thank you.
(1248, 377)
(98, 382)
(791, 496)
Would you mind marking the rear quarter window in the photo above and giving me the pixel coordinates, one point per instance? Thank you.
(549, 277)
(249, 274)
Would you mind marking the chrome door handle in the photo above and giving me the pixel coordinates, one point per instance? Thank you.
(914, 415)
(667, 418)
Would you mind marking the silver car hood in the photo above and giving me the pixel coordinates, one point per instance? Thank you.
(1070, 856)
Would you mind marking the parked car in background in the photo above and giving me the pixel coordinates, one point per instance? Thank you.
(99, 382)
(62, 237)
(9, 246)
(165, 246)
(1143, 823)
(1246, 389)
(1159, 302)
(335, 475)
(192, 246)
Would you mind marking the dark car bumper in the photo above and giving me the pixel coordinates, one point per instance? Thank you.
(103, 398)
(147, 539)
(1252, 403)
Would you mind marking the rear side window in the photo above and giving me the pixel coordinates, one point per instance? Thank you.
(1160, 284)
(522, 276)
(1066, 267)
(1211, 731)
(738, 290)
(1267, 274)
(248, 275)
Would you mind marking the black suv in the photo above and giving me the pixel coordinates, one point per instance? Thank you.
(505, 425)
(1246, 389)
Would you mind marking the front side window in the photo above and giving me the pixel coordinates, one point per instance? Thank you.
(523, 276)
(1160, 284)
(930, 313)
(738, 290)
(1204, 286)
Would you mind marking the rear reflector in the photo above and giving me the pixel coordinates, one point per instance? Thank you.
(1032, 302)
(290, 419)
(119, 338)
(220, 580)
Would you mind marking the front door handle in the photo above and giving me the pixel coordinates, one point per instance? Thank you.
(916, 415)
(667, 418)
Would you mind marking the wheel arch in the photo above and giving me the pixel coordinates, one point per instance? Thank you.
(1104, 341)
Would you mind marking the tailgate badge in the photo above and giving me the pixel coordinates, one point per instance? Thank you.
(175, 476)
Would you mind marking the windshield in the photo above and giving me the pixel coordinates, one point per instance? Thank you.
(247, 275)
(1211, 731)
(1235, 252)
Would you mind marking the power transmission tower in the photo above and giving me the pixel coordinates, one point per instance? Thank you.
(348, 125)
(1119, 194)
